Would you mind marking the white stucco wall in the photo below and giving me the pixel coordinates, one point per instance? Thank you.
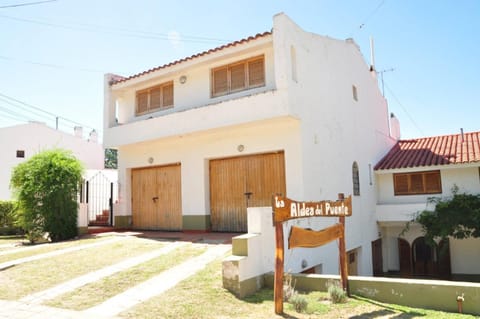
(36, 137)
(464, 253)
(465, 176)
(194, 93)
(194, 151)
(336, 130)
(394, 211)
(306, 110)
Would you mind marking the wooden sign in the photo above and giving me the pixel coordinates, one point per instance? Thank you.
(285, 209)
(307, 238)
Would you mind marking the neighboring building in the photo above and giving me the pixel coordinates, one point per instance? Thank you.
(21, 142)
(287, 111)
(407, 176)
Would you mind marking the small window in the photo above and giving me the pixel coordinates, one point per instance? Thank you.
(354, 93)
(417, 183)
(355, 179)
(238, 76)
(20, 154)
(293, 56)
(155, 98)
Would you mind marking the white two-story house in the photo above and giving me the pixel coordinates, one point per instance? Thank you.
(201, 139)
(407, 176)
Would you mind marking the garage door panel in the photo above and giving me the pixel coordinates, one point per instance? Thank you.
(230, 179)
(169, 193)
(156, 198)
(227, 199)
(143, 207)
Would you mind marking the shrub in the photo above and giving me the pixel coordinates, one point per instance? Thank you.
(288, 287)
(46, 188)
(7, 213)
(299, 302)
(9, 224)
(336, 292)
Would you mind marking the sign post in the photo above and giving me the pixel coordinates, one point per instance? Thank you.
(285, 209)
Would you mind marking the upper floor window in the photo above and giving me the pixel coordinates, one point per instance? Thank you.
(417, 183)
(355, 179)
(238, 76)
(154, 98)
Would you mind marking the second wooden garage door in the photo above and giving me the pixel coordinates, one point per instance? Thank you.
(156, 198)
(241, 181)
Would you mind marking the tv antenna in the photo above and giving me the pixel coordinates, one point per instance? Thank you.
(381, 77)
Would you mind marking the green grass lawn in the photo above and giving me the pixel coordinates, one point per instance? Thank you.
(202, 296)
(27, 278)
(95, 293)
(22, 251)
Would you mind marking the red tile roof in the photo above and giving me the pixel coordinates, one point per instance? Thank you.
(231, 44)
(431, 151)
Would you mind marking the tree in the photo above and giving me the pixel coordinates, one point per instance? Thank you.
(457, 217)
(111, 158)
(46, 187)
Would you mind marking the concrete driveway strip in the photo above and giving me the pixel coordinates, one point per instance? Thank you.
(158, 284)
(18, 310)
(41, 296)
(19, 261)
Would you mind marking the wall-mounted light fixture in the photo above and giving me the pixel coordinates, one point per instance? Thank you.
(150, 160)
(240, 148)
(183, 79)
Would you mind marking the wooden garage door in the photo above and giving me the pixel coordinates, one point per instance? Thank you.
(238, 182)
(156, 198)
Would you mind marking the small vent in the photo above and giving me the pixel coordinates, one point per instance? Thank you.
(20, 154)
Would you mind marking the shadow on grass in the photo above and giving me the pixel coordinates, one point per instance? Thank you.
(265, 295)
(388, 310)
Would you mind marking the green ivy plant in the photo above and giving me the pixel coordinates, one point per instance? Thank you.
(46, 187)
(457, 217)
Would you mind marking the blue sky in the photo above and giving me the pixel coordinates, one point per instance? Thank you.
(53, 55)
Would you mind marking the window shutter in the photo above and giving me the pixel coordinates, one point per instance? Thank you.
(416, 183)
(433, 183)
(237, 77)
(401, 184)
(155, 94)
(220, 82)
(142, 102)
(167, 95)
(256, 72)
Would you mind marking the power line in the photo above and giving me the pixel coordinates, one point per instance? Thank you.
(53, 66)
(55, 116)
(11, 114)
(372, 13)
(26, 4)
(404, 109)
(117, 31)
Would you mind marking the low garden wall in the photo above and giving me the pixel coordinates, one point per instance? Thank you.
(427, 294)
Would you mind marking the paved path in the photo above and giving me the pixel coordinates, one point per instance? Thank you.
(58, 252)
(41, 296)
(158, 284)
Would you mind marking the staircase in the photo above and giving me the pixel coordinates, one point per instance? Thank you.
(101, 219)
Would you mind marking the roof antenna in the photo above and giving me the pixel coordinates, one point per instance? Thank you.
(461, 132)
(372, 56)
